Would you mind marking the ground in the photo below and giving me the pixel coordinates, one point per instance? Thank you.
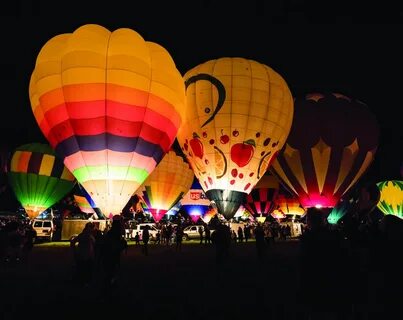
(166, 284)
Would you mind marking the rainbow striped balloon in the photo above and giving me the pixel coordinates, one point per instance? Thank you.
(110, 103)
(38, 177)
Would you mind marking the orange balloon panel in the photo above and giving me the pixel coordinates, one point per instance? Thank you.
(170, 180)
(238, 116)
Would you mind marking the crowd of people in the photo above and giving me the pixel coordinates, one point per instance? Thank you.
(17, 237)
(97, 254)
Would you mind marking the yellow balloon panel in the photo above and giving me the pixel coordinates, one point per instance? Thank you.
(238, 116)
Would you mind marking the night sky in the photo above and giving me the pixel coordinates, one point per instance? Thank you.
(356, 51)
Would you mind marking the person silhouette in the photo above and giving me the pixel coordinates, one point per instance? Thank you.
(84, 252)
(146, 239)
(260, 241)
(113, 245)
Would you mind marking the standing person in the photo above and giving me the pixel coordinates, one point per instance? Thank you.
(29, 240)
(207, 235)
(222, 242)
(84, 253)
(146, 239)
(201, 234)
(247, 232)
(113, 245)
(260, 242)
(240, 234)
(137, 238)
(179, 237)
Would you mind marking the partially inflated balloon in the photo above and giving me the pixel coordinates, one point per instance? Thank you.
(333, 141)
(289, 205)
(261, 200)
(195, 202)
(391, 201)
(110, 103)
(84, 205)
(340, 210)
(238, 115)
(170, 180)
(38, 177)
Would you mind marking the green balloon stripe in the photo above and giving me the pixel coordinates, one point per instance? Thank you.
(44, 191)
(110, 172)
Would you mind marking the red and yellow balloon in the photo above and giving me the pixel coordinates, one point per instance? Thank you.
(166, 185)
(110, 104)
(238, 115)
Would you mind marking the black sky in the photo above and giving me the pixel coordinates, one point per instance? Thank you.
(354, 50)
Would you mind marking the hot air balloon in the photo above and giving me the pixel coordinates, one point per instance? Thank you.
(110, 104)
(166, 185)
(195, 202)
(209, 215)
(261, 200)
(391, 200)
(239, 113)
(85, 203)
(340, 210)
(288, 205)
(38, 177)
(333, 140)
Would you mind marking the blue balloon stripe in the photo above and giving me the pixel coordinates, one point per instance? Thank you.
(108, 141)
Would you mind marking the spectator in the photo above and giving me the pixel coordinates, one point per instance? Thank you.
(84, 253)
(113, 245)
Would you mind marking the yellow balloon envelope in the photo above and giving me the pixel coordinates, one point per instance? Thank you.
(238, 116)
(110, 104)
(166, 185)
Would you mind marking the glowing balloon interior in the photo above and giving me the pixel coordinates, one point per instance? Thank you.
(170, 180)
(289, 205)
(239, 113)
(333, 140)
(195, 202)
(110, 103)
(340, 210)
(261, 200)
(38, 177)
